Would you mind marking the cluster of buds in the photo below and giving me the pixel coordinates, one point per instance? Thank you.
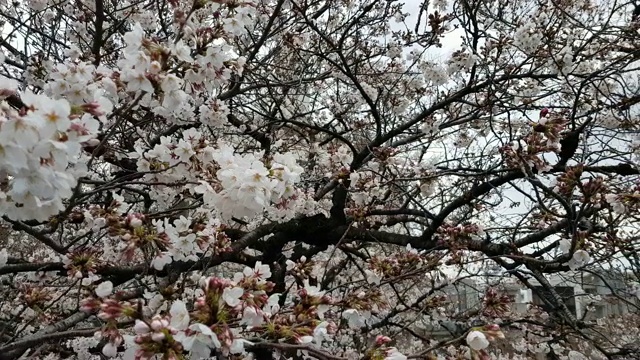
(301, 269)
(139, 232)
(592, 188)
(495, 304)
(156, 337)
(545, 137)
(550, 124)
(303, 323)
(341, 174)
(459, 235)
(382, 351)
(108, 309)
(396, 264)
(144, 238)
(359, 216)
(222, 244)
(223, 302)
(134, 221)
(624, 202)
(285, 203)
(362, 180)
(525, 152)
(94, 108)
(81, 262)
(542, 218)
(124, 226)
(479, 339)
(384, 154)
(365, 300)
(255, 285)
(211, 308)
(569, 180)
(35, 297)
(76, 217)
(286, 328)
(456, 256)
(114, 339)
(311, 303)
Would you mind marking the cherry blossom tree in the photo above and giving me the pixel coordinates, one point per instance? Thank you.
(314, 179)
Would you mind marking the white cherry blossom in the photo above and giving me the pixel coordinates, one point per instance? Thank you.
(477, 340)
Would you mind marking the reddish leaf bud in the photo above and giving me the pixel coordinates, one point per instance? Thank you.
(544, 112)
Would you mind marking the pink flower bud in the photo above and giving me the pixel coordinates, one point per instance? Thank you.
(141, 327)
(215, 283)
(93, 108)
(544, 112)
(155, 67)
(135, 220)
(156, 324)
(157, 337)
(117, 339)
(135, 223)
(78, 128)
(492, 327)
(381, 340)
(332, 328)
(89, 305)
(142, 355)
(200, 303)
(110, 309)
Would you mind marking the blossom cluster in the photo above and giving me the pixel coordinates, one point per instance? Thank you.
(248, 185)
(41, 155)
(214, 178)
(222, 314)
